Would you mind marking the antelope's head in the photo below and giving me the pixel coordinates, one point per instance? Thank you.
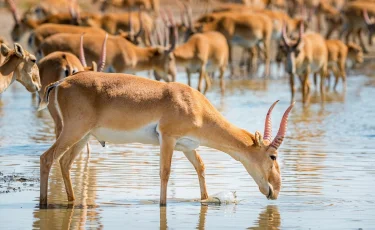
(355, 53)
(260, 160)
(370, 26)
(292, 49)
(24, 66)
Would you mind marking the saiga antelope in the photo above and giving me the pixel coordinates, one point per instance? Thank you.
(113, 22)
(46, 30)
(27, 23)
(46, 8)
(118, 23)
(353, 13)
(203, 52)
(19, 65)
(122, 55)
(341, 56)
(337, 56)
(245, 30)
(148, 5)
(307, 55)
(355, 55)
(122, 108)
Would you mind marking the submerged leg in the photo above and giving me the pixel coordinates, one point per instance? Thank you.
(166, 151)
(66, 162)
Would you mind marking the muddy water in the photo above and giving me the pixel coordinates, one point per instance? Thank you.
(327, 164)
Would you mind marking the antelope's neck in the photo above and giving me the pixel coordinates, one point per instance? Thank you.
(6, 80)
(228, 138)
(7, 75)
(144, 58)
(183, 54)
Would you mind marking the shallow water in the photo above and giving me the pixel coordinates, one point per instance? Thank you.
(327, 164)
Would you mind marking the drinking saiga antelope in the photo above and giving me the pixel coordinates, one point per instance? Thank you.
(19, 65)
(121, 108)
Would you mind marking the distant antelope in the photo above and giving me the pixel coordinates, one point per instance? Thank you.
(245, 30)
(113, 22)
(123, 23)
(309, 54)
(122, 108)
(148, 5)
(46, 8)
(341, 56)
(122, 55)
(337, 57)
(28, 23)
(19, 65)
(355, 55)
(46, 30)
(354, 22)
(204, 52)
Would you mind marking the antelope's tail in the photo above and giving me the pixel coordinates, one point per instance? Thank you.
(45, 98)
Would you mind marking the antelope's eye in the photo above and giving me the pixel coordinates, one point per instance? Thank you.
(33, 60)
(273, 157)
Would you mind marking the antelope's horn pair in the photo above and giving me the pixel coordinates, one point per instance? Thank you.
(277, 141)
(102, 56)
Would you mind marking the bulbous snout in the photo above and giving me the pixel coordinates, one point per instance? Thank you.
(269, 192)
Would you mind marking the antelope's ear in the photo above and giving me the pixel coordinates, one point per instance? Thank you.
(258, 139)
(159, 51)
(19, 50)
(5, 50)
(94, 66)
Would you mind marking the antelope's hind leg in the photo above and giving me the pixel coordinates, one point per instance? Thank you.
(66, 162)
(63, 144)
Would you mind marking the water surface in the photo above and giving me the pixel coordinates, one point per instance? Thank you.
(327, 164)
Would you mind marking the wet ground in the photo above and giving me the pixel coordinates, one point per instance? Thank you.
(327, 164)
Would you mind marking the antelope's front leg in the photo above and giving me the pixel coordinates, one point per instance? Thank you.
(202, 73)
(198, 164)
(166, 151)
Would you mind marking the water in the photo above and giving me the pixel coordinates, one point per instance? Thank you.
(327, 164)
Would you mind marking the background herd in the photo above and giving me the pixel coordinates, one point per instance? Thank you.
(310, 37)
